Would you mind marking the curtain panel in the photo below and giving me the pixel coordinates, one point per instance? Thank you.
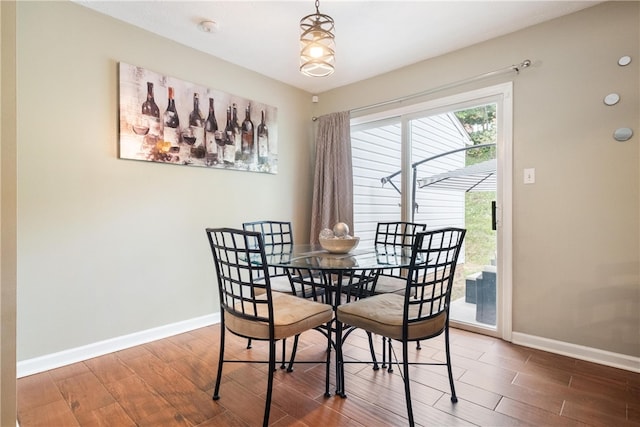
(333, 179)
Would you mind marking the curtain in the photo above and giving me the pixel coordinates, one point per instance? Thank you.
(333, 180)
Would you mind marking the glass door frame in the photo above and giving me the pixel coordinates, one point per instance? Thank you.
(502, 95)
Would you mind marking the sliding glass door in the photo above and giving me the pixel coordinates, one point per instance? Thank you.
(442, 163)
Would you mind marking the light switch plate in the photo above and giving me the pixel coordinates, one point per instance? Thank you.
(530, 176)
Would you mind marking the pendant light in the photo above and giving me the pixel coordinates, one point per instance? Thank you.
(317, 44)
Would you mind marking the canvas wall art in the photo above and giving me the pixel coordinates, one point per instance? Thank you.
(167, 120)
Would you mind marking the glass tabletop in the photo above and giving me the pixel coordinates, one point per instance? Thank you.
(315, 258)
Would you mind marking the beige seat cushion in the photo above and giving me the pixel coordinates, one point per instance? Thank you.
(283, 284)
(280, 284)
(382, 314)
(292, 316)
(388, 285)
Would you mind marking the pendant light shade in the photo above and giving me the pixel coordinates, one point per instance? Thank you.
(317, 44)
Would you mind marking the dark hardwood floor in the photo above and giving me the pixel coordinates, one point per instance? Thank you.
(170, 383)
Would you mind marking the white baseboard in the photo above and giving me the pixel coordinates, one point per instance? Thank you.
(74, 355)
(589, 354)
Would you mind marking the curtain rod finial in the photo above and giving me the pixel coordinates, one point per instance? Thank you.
(524, 64)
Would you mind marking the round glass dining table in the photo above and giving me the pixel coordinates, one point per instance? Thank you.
(313, 257)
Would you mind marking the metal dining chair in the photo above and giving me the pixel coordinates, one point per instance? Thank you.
(394, 237)
(277, 237)
(250, 309)
(421, 313)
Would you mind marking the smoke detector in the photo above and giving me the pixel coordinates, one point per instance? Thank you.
(208, 26)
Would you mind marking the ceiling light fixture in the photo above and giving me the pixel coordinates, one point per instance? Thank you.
(317, 44)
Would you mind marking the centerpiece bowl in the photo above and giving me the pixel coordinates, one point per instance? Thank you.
(338, 245)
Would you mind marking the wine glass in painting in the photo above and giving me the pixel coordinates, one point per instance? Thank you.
(140, 126)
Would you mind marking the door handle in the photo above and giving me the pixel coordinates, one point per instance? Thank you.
(493, 216)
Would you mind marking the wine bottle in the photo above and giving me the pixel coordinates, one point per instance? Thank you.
(171, 122)
(210, 129)
(229, 146)
(219, 138)
(247, 137)
(237, 137)
(151, 110)
(196, 122)
(263, 142)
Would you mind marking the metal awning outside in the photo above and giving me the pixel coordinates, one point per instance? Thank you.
(478, 177)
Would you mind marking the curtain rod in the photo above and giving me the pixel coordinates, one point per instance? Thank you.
(516, 67)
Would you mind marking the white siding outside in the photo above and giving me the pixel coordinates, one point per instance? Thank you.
(376, 154)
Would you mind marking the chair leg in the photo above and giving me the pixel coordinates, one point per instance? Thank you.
(339, 361)
(249, 343)
(216, 390)
(418, 346)
(293, 353)
(384, 352)
(390, 368)
(373, 351)
(407, 383)
(454, 398)
(272, 368)
(284, 353)
(326, 383)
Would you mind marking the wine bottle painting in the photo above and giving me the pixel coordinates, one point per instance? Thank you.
(167, 120)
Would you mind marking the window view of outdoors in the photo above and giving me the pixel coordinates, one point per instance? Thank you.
(445, 191)
(480, 241)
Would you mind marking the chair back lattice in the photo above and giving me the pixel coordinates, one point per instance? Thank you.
(243, 280)
(398, 237)
(273, 232)
(431, 274)
(277, 237)
(309, 284)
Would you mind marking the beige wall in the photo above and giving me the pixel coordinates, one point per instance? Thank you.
(109, 247)
(576, 231)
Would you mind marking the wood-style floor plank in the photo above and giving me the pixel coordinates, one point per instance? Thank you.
(192, 403)
(476, 414)
(37, 390)
(367, 413)
(108, 368)
(106, 416)
(84, 392)
(592, 415)
(170, 383)
(533, 415)
(55, 413)
(633, 411)
(143, 404)
(247, 406)
(552, 403)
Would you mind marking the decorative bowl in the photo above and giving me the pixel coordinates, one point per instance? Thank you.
(339, 246)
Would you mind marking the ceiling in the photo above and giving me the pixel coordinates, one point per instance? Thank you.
(372, 37)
